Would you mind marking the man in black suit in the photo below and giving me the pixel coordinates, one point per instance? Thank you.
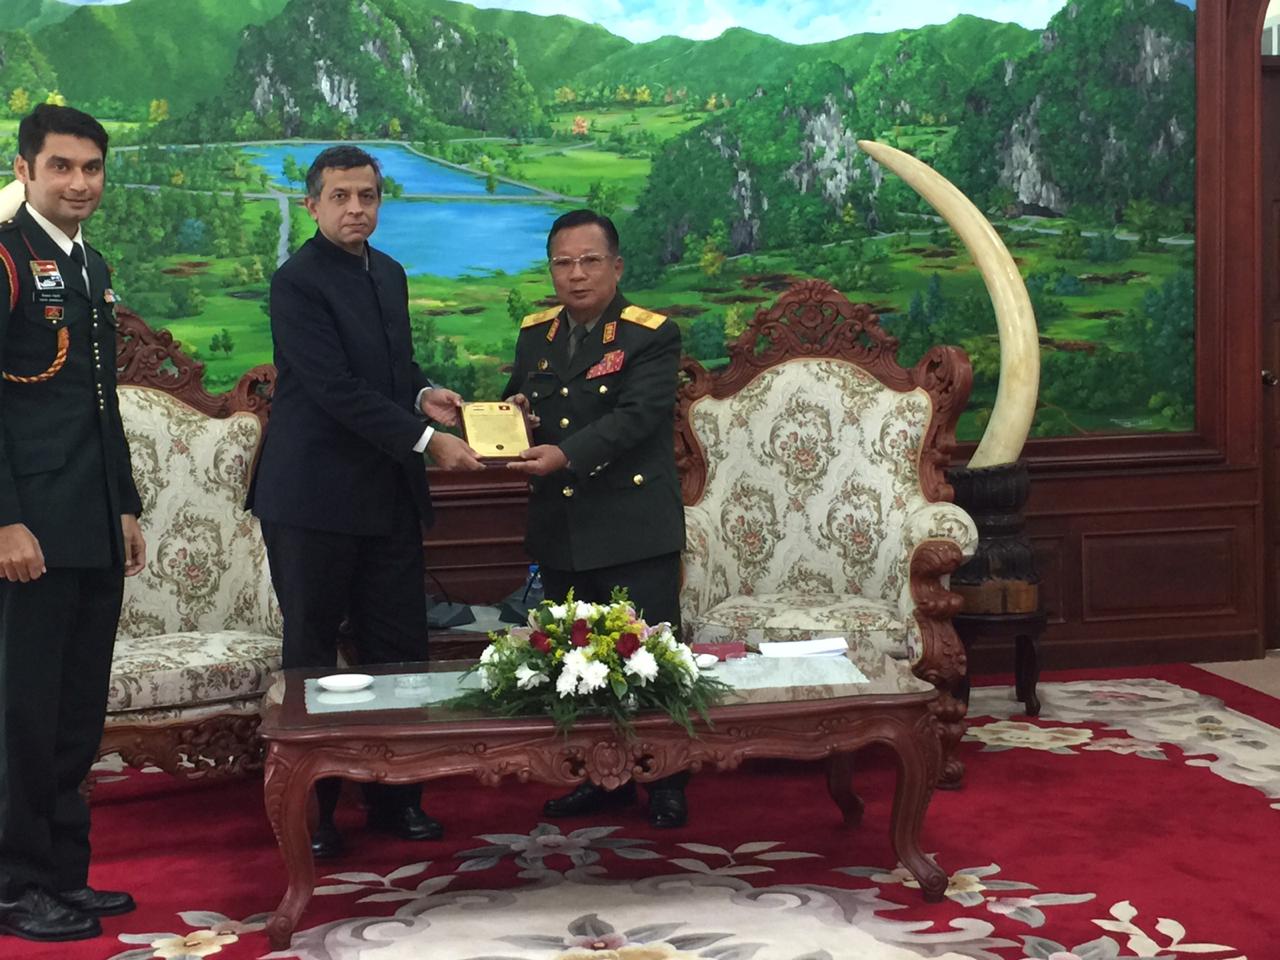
(598, 376)
(340, 485)
(68, 527)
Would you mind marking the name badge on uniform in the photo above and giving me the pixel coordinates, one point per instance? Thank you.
(53, 314)
(47, 275)
(610, 363)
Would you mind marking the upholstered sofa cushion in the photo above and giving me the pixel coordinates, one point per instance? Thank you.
(206, 565)
(871, 626)
(185, 669)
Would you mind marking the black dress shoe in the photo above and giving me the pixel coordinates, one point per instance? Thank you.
(407, 823)
(39, 915)
(326, 842)
(587, 797)
(98, 903)
(667, 807)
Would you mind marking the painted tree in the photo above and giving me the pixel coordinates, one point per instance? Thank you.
(19, 102)
(158, 111)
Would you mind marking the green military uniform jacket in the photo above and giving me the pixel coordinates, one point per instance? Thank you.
(611, 411)
(64, 461)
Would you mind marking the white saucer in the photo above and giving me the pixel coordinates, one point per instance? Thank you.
(344, 682)
(705, 660)
(347, 698)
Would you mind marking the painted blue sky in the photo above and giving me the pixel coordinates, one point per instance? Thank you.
(800, 21)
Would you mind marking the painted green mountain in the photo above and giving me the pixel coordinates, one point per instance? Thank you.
(551, 49)
(23, 67)
(739, 61)
(778, 166)
(31, 15)
(1101, 111)
(366, 68)
(149, 49)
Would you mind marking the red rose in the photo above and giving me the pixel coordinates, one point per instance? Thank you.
(580, 634)
(540, 641)
(627, 644)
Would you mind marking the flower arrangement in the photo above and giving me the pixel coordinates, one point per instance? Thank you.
(575, 658)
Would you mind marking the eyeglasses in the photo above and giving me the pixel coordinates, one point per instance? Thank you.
(590, 262)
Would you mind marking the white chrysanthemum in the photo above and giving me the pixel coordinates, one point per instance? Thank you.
(687, 659)
(594, 677)
(566, 683)
(489, 654)
(488, 679)
(585, 611)
(559, 610)
(527, 678)
(642, 665)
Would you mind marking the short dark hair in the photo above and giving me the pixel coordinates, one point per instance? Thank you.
(582, 218)
(48, 118)
(342, 157)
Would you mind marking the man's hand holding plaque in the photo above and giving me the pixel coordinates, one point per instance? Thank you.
(498, 431)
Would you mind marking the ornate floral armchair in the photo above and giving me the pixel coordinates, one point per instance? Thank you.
(200, 630)
(815, 500)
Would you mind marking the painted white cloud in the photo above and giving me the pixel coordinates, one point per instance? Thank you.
(801, 21)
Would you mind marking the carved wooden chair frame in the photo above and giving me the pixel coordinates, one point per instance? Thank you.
(217, 744)
(814, 320)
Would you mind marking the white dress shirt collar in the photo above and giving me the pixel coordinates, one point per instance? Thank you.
(55, 233)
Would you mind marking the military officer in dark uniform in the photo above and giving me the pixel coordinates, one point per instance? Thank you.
(68, 527)
(598, 376)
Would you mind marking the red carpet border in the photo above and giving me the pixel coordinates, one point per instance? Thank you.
(1136, 817)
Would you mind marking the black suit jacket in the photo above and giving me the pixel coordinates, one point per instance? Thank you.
(611, 410)
(343, 417)
(64, 461)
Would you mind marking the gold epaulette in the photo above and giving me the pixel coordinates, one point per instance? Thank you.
(542, 316)
(646, 318)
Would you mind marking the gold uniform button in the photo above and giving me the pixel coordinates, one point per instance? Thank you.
(603, 388)
(638, 479)
(564, 391)
(564, 422)
(567, 491)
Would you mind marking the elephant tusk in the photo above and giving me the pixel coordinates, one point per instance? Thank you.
(1015, 404)
(11, 197)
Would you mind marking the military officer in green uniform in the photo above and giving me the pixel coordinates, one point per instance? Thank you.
(598, 377)
(68, 527)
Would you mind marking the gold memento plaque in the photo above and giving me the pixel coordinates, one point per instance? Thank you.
(495, 430)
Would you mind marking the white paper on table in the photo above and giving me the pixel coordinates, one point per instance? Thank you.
(817, 647)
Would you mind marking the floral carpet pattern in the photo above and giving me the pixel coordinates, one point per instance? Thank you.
(1118, 824)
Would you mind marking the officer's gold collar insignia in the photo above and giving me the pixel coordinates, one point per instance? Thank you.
(551, 331)
(646, 318)
(542, 316)
(610, 331)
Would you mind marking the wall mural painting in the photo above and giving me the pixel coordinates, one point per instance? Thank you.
(721, 137)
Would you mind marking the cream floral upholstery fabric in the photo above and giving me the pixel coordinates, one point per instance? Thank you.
(200, 624)
(811, 511)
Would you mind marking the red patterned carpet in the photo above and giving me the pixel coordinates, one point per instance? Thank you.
(1136, 817)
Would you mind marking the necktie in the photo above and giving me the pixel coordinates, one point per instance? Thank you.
(577, 334)
(77, 254)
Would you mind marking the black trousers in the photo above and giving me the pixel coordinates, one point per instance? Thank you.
(56, 638)
(376, 582)
(653, 586)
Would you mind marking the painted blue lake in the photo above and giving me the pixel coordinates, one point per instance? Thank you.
(447, 238)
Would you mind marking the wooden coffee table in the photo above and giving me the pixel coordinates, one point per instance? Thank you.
(391, 737)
